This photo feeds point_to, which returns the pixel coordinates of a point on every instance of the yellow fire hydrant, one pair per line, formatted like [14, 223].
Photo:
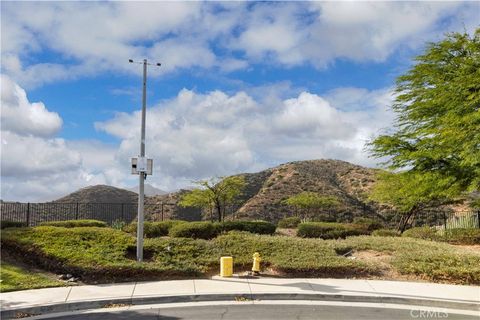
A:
[256, 262]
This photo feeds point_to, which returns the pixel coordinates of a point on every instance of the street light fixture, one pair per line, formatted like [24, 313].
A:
[142, 164]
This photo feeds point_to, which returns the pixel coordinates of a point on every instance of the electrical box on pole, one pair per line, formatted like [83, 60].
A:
[142, 164]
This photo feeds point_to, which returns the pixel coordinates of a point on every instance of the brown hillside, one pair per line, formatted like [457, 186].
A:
[347, 182]
[100, 194]
[267, 189]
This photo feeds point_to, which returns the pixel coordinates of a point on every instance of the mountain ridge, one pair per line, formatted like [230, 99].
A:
[266, 189]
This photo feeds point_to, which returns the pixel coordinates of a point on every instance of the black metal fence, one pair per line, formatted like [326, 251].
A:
[35, 213]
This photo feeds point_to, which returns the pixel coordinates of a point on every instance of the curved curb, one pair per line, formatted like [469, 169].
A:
[102, 303]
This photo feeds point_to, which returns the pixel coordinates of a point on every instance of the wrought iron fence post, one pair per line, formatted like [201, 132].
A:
[478, 219]
[123, 211]
[162, 211]
[445, 221]
[28, 214]
[76, 211]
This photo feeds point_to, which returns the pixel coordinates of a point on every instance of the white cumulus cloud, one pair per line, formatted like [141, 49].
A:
[195, 136]
[38, 166]
[89, 38]
[22, 117]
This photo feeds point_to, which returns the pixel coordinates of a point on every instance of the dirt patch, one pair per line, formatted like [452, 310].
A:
[383, 261]
[287, 232]
[475, 248]
[131, 254]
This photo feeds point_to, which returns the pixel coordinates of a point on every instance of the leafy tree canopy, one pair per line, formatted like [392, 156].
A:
[214, 193]
[436, 137]
[413, 192]
[311, 200]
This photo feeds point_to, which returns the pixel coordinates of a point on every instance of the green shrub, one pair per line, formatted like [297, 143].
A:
[153, 229]
[12, 224]
[462, 236]
[196, 230]
[329, 230]
[323, 217]
[425, 233]
[369, 223]
[118, 224]
[75, 223]
[465, 236]
[385, 233]
[289, 222]
[258, 227]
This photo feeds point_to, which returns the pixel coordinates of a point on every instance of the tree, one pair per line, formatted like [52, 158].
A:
[215, 194]
[411, 193]
[435, 144]
[308, 201]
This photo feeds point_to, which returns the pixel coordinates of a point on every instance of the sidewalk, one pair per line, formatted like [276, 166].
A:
[229, 289]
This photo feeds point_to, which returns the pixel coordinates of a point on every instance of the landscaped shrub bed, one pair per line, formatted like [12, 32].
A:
[324, 217]
[75, 223]
[12, 224]
[86, 252]
[427, 259]
[289, 222]
[368, 223]
[425, 233]
[153, 229]
[462, 236]
[385, 233]
[101, 254]
[330, 230]
[196, 230]
[199, 229]
[454, 236]
[258, 227]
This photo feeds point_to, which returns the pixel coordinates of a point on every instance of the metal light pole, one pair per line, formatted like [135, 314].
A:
[142, 175]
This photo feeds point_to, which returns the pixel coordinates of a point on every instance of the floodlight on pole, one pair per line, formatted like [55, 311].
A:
[141, 163]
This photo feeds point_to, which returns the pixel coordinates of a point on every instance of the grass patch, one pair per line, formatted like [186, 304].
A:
[13, 278]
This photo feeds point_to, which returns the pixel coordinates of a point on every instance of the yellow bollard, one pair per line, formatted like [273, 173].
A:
[226, 266]
[256, 262]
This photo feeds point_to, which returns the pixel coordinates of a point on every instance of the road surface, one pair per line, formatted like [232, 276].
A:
[274, 312]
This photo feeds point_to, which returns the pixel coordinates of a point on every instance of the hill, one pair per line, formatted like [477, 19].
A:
[265, 190]
[149, 190]
[100, 194]
[347, 182]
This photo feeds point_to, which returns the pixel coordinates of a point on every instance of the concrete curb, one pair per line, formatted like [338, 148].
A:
[95, 304]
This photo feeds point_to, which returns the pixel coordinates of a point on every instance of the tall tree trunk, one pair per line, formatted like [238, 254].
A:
[219, 211]
[402, 225]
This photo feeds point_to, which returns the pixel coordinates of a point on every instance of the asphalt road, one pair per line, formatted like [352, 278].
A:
[274, 312]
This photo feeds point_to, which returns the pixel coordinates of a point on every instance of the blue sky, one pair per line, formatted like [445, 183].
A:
[243, 85]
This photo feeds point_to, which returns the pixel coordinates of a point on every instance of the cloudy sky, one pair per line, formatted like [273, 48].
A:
[243, 85]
